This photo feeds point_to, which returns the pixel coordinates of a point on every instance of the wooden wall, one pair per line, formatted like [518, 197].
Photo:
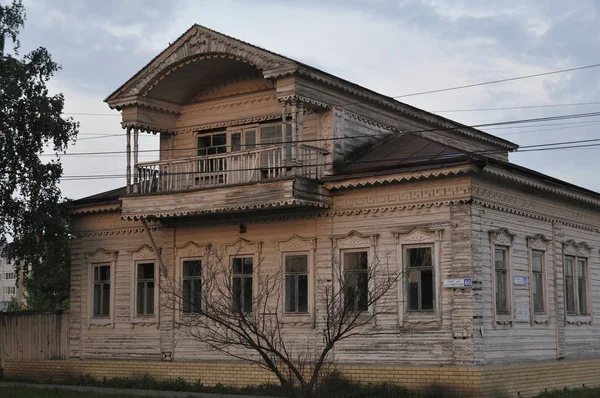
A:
[33, 336]
[544, 337]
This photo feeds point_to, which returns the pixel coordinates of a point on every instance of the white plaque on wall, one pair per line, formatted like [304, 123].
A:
[522, 310]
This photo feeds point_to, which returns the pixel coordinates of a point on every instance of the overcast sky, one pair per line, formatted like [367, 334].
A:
[392, 47]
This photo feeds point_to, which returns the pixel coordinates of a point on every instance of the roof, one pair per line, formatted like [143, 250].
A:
[103, 197]
[280, 65]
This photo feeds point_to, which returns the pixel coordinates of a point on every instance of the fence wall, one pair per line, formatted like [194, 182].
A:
[33, 336]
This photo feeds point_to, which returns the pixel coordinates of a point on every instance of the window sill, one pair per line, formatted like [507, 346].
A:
[143, 320]
[541, 318]
[579, 320]
[297, 319]
[504, 319]
[100, 322]
[421, 320]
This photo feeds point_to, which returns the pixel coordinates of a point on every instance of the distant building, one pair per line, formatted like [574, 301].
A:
[8, 283]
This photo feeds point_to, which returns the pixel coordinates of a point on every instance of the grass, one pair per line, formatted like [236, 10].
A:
[577, 393]
[29, 392]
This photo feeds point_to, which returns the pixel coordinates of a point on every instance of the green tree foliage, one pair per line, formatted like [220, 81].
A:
[32, 211]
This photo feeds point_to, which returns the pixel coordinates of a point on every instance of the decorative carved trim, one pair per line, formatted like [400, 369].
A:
[501, 236]
[201, 108]
[191, 249]
[102, 256]
[418, 234]
[239, 122]
[146, 128]
[144, 252]
[538, 242]
[306, 100]
[581, 249]
[265, 205]
[502, 200]
[394, 178]
[231, 87]
[355, 239]
[115, 232]
[372, 122]
[93, 209]
[296, 243]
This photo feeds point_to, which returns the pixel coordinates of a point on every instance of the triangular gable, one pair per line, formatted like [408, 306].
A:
[198, 41]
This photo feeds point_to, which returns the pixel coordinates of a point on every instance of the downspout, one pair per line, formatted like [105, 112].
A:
[555, 265]
[160, 264]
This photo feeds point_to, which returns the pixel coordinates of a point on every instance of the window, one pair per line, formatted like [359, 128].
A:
[242, 283]
[244, 139]
[501, 274]
[420, 285]
[537, 282]
[9, 276]
[212, 144]
[101, 291]
[296, 283]
[145, 289]
[356, 280]
[12, 290]
[192, 286]
[576, 275]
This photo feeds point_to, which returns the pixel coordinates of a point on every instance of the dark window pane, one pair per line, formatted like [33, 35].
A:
[105, 273]
[197, 295]
[501, 292]
[250, 139]
[237, 265]
[140, 298]
[97, 299]
[296, 263]
[187, 292]
[248, 265]
[105, 299]
[150, 298]
[268, 135]
[569, 266]
[146, 271]
[192, 268]
[426, 289]
[290, 293]
[302, 293]
[570, 294]
[355, 261]
[500, 258]
[363, 292]
[538, 292]
[413, 296]
[204, 141]
[236, 142]
[537, 261]
[582, 296]
[237, 293]
[219, 139]
[419, 257]
[247, 294]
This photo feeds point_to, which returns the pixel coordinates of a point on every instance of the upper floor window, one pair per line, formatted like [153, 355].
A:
[145, 289]
[356, 280]
[576, 279]
[420, 281]
[244, 139]
[101, 290]
[502, 279]
[12, 290]
[296, 283]
[9, 276]
[537, 282]
[242, 283]
[192, 286]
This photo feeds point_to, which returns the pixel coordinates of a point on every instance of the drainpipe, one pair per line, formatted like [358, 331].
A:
[555, 265]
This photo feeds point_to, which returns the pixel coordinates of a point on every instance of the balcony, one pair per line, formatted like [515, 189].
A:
[240, 181]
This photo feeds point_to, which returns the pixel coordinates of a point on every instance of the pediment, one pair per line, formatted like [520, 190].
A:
[101, 256]
[574, 248]
[355, 239]
[211, 50]
[296, 243]
[144, 252]
[502, 236]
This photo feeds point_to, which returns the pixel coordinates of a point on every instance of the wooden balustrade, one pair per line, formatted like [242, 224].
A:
[229, 168]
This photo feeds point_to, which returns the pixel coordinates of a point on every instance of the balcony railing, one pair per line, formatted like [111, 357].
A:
[229, 168]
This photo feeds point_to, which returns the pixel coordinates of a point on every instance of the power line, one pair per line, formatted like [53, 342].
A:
[501, 123]
[517, 107]
[497, 81]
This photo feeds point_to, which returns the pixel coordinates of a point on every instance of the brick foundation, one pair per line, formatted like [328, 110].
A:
[486, 381]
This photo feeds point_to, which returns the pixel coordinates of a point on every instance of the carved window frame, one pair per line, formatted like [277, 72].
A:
[186, 252]
[578, 250]
[244, 248]
[502, 238]
[93, 259]
[412, 237]
[353, 242]
[145, 254]
[538, 243]
[297, 245]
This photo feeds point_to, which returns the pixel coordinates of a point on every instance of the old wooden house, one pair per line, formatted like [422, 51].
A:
[296, 161]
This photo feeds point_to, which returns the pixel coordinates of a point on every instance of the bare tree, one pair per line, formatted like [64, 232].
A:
[236, 307]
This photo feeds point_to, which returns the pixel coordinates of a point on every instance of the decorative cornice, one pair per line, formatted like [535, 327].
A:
[372, 122]
[501, 199]
[112, 232]
[93, 209]
[536, 183]
[226, 209]
[228, 104]
[147, 128]
[306, 100]
[228, 123]
[399, 177]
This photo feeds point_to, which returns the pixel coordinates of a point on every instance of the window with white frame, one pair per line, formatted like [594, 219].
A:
[101, 290]
[242, 283]
[244, 139]
[296, 283]
[9, 276]
[502, 283]
[356, 280]
[11, 290]
[576, 281]
[145, 288]
[420, 278]
[192, 286]
[538, 281]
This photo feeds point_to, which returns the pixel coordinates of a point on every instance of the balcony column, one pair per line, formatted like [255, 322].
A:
[283, 118]
[128, 170]
[300, 153]
[294, 136]
[136, 133]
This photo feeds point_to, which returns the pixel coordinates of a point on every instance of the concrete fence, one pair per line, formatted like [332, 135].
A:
[33, 335]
